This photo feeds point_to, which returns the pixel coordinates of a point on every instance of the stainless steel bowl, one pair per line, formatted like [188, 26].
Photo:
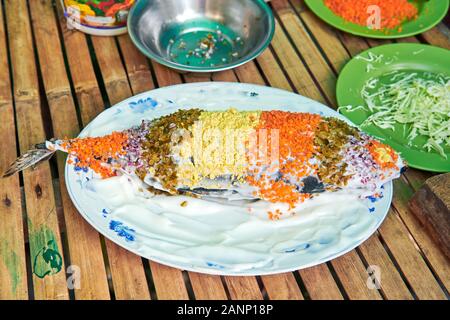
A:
[201, 35]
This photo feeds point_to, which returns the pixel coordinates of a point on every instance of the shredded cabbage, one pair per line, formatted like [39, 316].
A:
[420, 103]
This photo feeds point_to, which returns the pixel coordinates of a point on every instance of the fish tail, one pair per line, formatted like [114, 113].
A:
[42, 152]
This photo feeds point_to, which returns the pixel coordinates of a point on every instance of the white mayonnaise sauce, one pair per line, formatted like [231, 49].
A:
[233, 237]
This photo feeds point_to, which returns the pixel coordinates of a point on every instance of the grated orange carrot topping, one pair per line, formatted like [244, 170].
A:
[296, 148]
[275, 215]
[383, 155]
[95, 153]
[393, 12]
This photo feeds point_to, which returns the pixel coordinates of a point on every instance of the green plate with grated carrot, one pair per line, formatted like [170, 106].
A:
[381, 19]
[400, 93]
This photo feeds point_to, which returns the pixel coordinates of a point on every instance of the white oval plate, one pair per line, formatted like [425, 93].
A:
[136, 233]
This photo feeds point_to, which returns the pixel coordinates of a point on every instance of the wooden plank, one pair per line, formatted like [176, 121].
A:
[207, 287]
[197, 77]
[408, 40]
[329, 41]
[127, 270]
[320, 283]
[291, 63]
[431, 205]
[378, 42]
[392, 285]
[225, 76]
[165, 76]
[243, 288]
[438, 36]
[355, 45]
[137, 66]
[112, 71]
[82, 72]
[248, 73]
[272, 70]
[353, 276]
[83, 240]
[416, 178]
[169, 282]
[439, 263]
[314, 60]
[282, 286]
[299, 6]
[44, 235]
[13, 277]
[127, 273]
[411, 262]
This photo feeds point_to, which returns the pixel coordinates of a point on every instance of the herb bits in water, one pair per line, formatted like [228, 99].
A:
[204, 44]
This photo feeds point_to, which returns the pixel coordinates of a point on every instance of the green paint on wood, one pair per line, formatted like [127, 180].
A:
[12, 263]
[46, 259]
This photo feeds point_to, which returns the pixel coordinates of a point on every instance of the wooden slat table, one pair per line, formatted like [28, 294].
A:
[53, 81]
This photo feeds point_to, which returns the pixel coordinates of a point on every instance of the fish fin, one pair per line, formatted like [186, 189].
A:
[30, 158]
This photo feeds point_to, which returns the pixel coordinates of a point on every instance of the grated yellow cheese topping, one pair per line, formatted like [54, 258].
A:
[216, 146]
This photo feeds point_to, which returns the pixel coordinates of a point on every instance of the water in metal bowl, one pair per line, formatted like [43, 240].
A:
[201, 35]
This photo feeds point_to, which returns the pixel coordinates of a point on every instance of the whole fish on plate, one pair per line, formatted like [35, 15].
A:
[277, 156]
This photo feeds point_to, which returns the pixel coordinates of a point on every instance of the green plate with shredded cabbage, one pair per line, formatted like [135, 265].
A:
[400, 93]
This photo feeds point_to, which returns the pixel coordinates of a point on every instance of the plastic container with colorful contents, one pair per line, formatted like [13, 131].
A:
[98, 17]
